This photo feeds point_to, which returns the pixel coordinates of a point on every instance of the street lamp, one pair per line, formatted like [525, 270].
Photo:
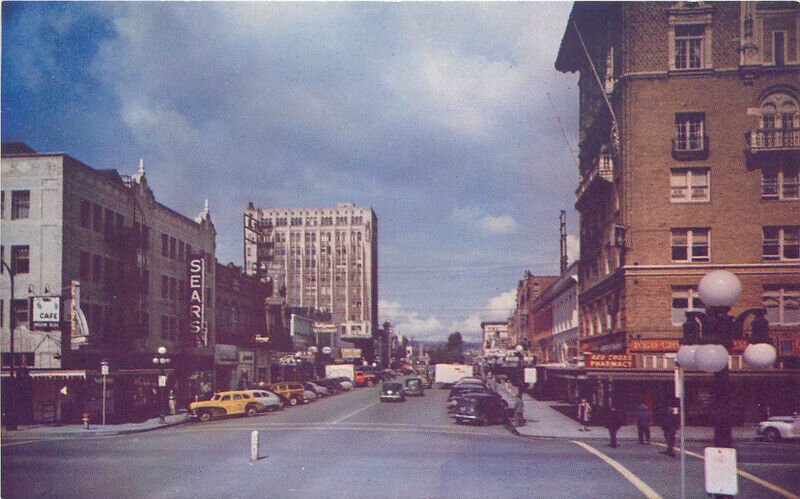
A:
[708, 337]
[161, 360]
[11, 419]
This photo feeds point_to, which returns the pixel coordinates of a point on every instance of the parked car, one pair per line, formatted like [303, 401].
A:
[482, 409]
[452, 400]
[331, 385]
[365, 378]
[293, 391]
[320, 390]
[249, 402]
[413, 386]
[387, 374]
[392, 390]
[309, 396]
[779, 427]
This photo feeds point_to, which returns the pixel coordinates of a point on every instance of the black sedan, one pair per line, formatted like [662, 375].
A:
[392, 390]
[482, 409]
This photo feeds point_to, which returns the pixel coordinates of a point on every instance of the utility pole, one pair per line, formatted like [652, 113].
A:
[11, 420]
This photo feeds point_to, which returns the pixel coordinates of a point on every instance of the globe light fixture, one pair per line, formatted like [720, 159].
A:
[760, 355]
[520, 348]
[687, 356]
[719, 288]
[711, 358]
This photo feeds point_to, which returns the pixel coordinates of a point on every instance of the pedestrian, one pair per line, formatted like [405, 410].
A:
[670, 426]
[643, 423]
[614, 420]
[519, 411]
[584, 414]
[173, 403]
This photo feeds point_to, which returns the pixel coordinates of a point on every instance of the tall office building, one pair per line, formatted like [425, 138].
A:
[322, 258]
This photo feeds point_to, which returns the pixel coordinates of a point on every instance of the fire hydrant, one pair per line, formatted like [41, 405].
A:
[85, 419]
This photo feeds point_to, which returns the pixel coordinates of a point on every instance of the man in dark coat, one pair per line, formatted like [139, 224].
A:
[643, 423]
[614, 420]
[670, 425]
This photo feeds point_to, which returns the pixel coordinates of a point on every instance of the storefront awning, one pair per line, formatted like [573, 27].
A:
[51, 373]
[663, 374]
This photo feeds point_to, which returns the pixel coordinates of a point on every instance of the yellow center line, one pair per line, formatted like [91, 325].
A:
[635, 480]
[771, 486]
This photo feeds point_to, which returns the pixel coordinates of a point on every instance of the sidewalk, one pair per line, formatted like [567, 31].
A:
[95, 429]
[543, 420]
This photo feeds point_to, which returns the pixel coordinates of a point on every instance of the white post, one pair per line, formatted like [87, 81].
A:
[683, 434]
[104, 400]
[254, 445]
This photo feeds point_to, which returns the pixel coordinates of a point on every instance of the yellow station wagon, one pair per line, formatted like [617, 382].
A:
[249, 402]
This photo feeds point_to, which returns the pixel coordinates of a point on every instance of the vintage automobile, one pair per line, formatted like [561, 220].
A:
[779, 427]
[392, 390]
[249, 402]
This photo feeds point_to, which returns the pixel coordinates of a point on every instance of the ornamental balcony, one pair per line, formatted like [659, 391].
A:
[772, 144]
[602, 172]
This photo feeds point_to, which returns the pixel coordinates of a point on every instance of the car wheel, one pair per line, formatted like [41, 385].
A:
[293, 401]
[772, 435]
[206, 416]
[251, 411]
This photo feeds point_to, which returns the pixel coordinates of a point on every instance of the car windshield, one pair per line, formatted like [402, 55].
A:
[580, 218]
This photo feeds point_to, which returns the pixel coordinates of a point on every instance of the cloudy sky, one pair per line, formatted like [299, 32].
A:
[436, 115]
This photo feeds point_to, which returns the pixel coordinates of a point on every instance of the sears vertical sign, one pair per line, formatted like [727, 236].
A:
[197, 301]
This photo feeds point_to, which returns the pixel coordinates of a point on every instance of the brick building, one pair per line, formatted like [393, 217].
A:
[131, 255]
[689, 154]
[522, 323]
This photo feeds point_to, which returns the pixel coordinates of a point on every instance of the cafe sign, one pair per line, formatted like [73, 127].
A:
[610, 361]
[45, 313]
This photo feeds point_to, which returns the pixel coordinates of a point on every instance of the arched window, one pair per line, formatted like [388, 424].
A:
[780, 121]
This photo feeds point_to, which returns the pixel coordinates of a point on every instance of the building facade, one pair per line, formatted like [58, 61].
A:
[67, 225]
[689, 147]
[320, 258]
[522, 327]
[555, 311]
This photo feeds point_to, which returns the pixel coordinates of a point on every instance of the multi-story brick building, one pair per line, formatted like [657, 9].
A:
[68, 222]
[689, 155]
[555, 319]
[522, 326]
[322, 258]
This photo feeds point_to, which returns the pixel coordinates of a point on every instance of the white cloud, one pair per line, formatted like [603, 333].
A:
[477, 220]
[573, 248]
[409, 323]
[498, 308]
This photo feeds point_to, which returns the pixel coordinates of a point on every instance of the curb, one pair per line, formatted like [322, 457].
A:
[600, 436]
[87, 433]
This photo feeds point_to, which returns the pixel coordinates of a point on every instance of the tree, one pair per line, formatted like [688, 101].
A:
[454, 349]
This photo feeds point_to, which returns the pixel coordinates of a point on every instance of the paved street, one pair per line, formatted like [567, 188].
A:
[354, 445]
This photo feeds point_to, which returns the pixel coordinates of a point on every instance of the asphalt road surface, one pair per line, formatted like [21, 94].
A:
[352, 445]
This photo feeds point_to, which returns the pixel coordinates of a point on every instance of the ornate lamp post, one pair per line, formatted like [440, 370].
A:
[161, 360]
[708, 337]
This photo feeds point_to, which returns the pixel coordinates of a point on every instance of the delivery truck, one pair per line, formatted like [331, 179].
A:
[447, 374]
[339, 370]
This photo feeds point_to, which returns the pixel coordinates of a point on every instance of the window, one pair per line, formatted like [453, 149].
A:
[164, 286]
[782, 304]
[689, 46]
[782, 183]
[164, 245]
[172, 246]
[20, 204]
[689, 132]
[86, 214]
[779, 44]
[97, 219]
[2, 259]
[20, 260]
[780, 123]
[173, 285]
[684, 300]
[781, 243]
[689, 185]
[181, 251]
[19, 312]
[109, 223]
[690, 245]
[85, 271]
[97, 266]
[145, 282]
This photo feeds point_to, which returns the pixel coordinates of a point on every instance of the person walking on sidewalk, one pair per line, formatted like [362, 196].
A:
[519, 411]
[173, 403]
[670, 426]
[614, 420]
[584, 414]
[643, 423]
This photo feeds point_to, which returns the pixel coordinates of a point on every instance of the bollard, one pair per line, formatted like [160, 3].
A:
[254, 445]
[85, 419]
